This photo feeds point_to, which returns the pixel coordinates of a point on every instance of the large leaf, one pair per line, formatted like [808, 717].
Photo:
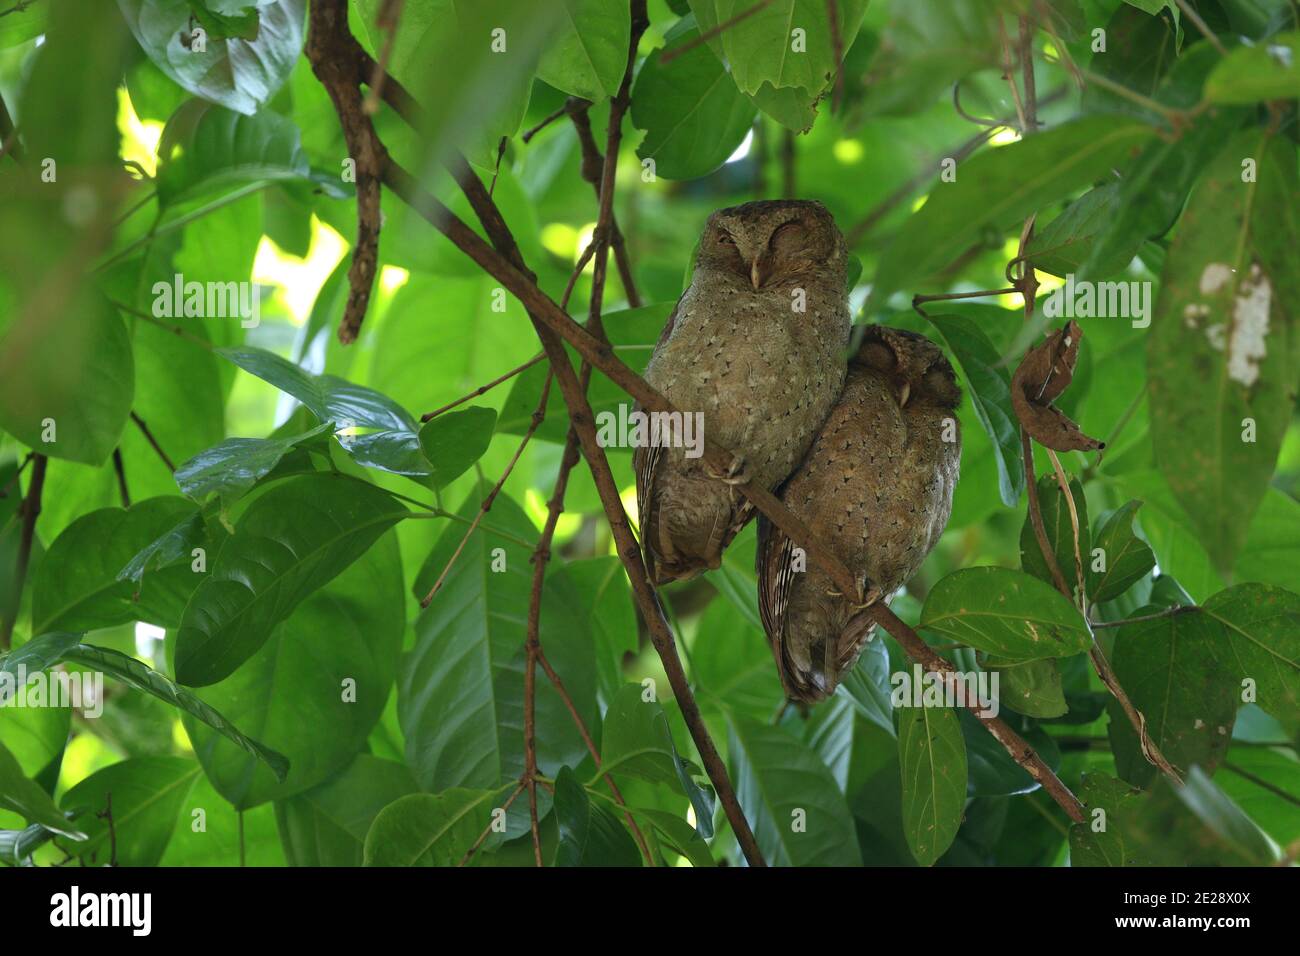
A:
[932, 756]
[797, 812]
[1103, 838]
[237, 73]
[638, 741]
[998, 188]
[1170, 669]
[455, 440]
[693, 115]
[327, 825]
[588, 57]
[290, 542]
[144, 795]
[1268, 71]
[230, 468]
[25, 798]
[460, 690]
[1261, 642]
[761, 48]
[48, 649]
[590, 835]
[1005, 613]
[989, 386]
[316, 688]
[1059, 526]
[426, 829]
[1221, 357]
[77, 586]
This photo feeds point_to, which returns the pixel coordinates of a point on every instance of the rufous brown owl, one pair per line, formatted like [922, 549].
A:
[757, 344]
[876, 490]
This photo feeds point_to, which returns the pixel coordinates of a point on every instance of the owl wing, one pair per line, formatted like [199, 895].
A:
[773, 567]
[644, 462]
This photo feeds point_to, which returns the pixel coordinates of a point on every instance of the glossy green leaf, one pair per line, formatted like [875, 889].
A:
[589, 55]
[230, 468]
[1005, 613]
[290, 542]
[316, 687]
[1261, 643]
[1032, 688]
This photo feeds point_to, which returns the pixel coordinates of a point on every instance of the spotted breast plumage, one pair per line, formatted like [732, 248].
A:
[875, 490]
[757, 345]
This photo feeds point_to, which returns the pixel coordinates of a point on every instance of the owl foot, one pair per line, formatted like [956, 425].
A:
[869, 595]
[736, 474]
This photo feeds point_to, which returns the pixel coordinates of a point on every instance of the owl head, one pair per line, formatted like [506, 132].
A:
[773, 243]
[915, 367]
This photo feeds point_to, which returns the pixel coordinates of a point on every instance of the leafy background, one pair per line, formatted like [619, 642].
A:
[325, 509]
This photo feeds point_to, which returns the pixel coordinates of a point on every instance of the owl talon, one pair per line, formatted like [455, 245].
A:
[736, 474]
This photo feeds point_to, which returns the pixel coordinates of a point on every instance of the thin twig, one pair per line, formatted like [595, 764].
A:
[708, 35]
[519, 788]
[144, 429]
[390, 15]
[120, 469]
[31, 509]
[429, 416]
[1190, 13]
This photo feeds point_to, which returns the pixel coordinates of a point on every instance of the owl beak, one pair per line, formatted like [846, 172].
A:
[756, 273]
[904, 393]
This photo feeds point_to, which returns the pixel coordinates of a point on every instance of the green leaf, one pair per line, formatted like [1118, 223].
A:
[327, 825]
[426, 829]
[932, 756]
[1032, 688]
[590, 835]
[589, 56]
[290, 542]
[1063, 245]
[205, 148]
[867, 686]
[453, 441]
[77, 586]
[391, 442]
[693, 115]
[72, 383]
[341, 647]
[993, 772]
[1102, 840]
[1005, 613]
[989, 386]
[761, 48]
[604, 585]
[677, 833]
[1262, 643]
[1170, 669]
[794, 805]
[239, 74]
[1060, 533]
[1223, 321]
[37, 655]
[23, 797]
[460, 690]
[1197, 824]
[48, 649]
[1249, 74]
[1000, 187]
[1127, 558]
[637, 741]
[145, 794]
[228, 469]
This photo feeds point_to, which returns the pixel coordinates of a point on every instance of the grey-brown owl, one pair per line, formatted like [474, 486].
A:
[757, 344]
[876, 490]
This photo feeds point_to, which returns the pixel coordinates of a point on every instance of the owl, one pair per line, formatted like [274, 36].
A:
[876, 490]
[757, 346]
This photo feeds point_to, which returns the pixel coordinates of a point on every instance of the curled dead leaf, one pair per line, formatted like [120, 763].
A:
[1043, 376]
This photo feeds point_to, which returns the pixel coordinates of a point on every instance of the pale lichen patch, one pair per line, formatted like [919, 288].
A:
[1248, 344]
[1214, 277]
